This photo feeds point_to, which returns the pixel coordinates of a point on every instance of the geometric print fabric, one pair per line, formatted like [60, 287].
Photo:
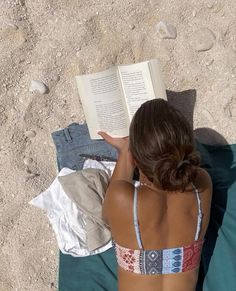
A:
[166, 261]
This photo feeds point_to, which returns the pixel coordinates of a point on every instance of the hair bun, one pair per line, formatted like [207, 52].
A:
[171, 174]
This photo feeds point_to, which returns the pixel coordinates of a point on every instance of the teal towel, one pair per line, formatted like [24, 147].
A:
[218, 269]
[219, 256]
[93, 273]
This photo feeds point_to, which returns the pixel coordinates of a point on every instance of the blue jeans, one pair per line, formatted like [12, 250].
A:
[73, 141]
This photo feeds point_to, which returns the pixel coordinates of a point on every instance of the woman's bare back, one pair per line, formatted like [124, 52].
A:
[166, 220]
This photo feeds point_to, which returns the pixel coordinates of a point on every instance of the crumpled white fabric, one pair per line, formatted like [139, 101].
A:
[67, 220]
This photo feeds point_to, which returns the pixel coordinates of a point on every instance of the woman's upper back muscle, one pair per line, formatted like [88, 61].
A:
[165, 219]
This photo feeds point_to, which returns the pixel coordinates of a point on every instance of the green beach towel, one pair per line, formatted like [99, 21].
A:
[218, 266]
[219, 256]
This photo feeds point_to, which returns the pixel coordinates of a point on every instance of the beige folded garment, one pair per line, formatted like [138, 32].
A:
[87, 188]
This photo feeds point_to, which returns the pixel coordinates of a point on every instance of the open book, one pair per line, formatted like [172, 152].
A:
[110, 98]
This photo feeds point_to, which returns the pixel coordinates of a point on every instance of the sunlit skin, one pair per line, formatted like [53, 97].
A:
[167, 219]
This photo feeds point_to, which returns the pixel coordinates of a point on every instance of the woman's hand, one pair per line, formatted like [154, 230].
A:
[121, 144]
[125, 164]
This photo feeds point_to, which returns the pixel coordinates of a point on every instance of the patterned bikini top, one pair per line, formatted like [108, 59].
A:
[164, 261]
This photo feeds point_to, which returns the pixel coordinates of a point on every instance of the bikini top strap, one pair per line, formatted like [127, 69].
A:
[199, 217]
[135, 217]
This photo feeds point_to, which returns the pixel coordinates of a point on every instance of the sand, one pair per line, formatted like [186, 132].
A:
[52, 41]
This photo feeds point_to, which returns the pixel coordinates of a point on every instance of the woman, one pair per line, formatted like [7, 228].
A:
[158, 228]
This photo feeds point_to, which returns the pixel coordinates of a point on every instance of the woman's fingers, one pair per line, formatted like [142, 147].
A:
[116, 142]
[106, 136]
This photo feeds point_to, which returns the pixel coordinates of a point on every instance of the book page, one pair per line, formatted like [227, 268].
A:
[137, 85]
[157, 81]
[103, 103]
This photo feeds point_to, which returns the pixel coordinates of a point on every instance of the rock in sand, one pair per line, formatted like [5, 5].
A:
[30, 133]
[202, 39]
[38, 86]
[166, 30]
[28, 161]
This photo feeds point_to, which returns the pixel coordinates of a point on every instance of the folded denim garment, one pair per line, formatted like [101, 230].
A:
[87, 188]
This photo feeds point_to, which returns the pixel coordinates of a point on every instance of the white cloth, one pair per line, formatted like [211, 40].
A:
[67, 220]
[87, 189]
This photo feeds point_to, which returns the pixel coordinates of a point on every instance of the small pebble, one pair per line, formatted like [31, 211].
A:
[233, 111]
[28, 161]
[32, 175]
[166, 30]
[202, 39]
[132, 26]
[230, 110]
[57, 78]
[234, 71]
[28, 171]
[194, 13]
[209, 62]
[227, 111]
[30, 133]
[15, 27]
[52, 285]
[38, 86]
[211, 3]
[234, 47]
[53, 44]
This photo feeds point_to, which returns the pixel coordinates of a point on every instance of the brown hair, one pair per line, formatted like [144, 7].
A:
[160, 140]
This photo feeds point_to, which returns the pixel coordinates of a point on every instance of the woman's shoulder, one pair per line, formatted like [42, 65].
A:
[120, 191]
[203, 181]
[119, 196]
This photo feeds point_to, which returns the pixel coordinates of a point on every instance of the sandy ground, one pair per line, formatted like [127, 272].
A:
[52, 41]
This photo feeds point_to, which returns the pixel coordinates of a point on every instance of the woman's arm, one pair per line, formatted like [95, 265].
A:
[117, 194]
[124, 168]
